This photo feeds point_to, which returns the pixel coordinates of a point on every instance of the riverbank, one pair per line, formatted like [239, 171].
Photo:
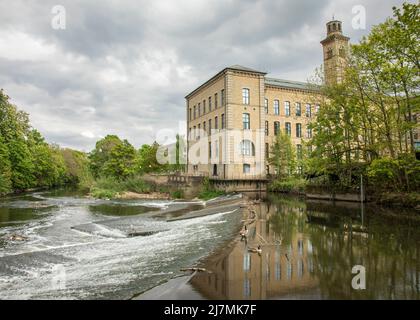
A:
[387, 198]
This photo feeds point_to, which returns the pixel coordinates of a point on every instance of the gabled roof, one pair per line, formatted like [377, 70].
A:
[289, 84]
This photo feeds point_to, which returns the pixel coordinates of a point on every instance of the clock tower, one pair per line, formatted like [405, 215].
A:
[336, 50]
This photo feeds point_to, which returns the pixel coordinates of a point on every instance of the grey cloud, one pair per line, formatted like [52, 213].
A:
[124, 67]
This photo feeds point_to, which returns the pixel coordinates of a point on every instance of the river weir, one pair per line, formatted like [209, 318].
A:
[73, 247]
[79, 248]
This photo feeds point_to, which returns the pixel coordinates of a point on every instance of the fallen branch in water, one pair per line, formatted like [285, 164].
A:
[193, 269]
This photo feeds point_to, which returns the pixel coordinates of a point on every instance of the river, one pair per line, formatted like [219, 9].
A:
[79, 248]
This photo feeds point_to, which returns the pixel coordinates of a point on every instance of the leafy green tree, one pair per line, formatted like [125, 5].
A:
[121, 162]
[5, 168]
[283, 156]
[370, 115]
[22, 165]
[113, 157]
[146, 159]
[77, 168]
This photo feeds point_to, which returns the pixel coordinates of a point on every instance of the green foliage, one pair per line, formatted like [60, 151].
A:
[288, 185]
[112, 157]
[5, 168]
[146, 159]
[367, 122]
[26, 160]
[110, 187]
[77, 168]
[208, 192]
[401, 174]
[177, 194]
[283, 156]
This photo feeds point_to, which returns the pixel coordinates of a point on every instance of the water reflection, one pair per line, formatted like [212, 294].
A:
[309, 249]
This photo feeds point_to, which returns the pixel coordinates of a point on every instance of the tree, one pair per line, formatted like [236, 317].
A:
[146, 159]
[371, 114]
[283, 156]
[112, 157]
[5, 168]
[121, 161]
[77, 167]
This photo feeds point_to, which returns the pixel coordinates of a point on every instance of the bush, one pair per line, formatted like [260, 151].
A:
[288, 185]
[177, 194]
[401, 174]
[137, 184]
[208, 192]
[103, 193]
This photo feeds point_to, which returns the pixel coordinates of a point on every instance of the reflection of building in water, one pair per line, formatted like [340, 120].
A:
[285, 265]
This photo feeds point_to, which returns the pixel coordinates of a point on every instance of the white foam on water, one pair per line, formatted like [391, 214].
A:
[93, 266]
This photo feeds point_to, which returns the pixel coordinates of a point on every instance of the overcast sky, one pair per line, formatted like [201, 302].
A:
[123, 67]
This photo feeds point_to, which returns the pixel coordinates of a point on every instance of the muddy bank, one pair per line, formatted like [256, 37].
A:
[143, 196]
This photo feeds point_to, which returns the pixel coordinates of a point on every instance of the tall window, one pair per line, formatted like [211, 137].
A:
[309, 149]
[287, 108]
[316, 109]
[299, 151]
[204, 126]
[190, 114]
[223, 121]
[222, 93]
[247, 148]
[298, 109]
[309, 133]
[195, 112]
[199, 131]
[246, 168]
[216, 123]
[276, 127]
[266, 106]
[288, 128]
[276, 107]
[209, 126]
[209, 150]
[308, 111]
[298, 130]
[246, 121]
[329, 53]
[245, 96]
[194, 132]
[267, 151]
[210, 103]
[199, 109]
[204, 106]
[266, 128]
[215, 101]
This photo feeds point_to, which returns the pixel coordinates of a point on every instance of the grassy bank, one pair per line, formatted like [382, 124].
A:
[110, 188]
